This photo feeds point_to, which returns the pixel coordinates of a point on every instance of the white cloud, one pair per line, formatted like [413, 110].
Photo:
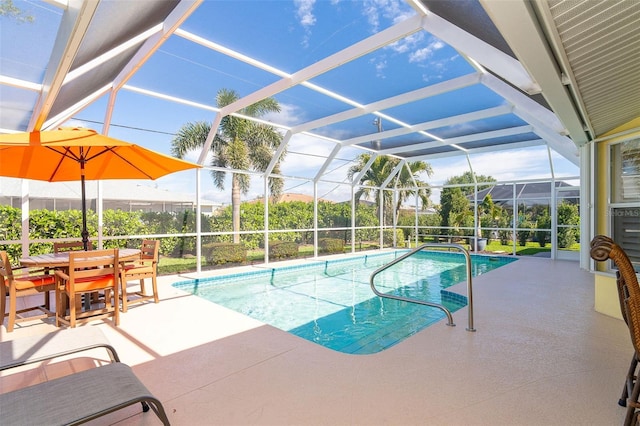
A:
[528, 163]
[371, 12]
[413, 45]
[289, 115]
[380, 66]
[78, 123]
[305, 12]
[407, 44]
[392, 10]
[306, 18]
[427, 52]
[305, 165]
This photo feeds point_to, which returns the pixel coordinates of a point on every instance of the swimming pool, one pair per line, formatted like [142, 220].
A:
[331, 302]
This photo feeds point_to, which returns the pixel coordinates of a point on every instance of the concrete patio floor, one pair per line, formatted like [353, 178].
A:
[541, 355]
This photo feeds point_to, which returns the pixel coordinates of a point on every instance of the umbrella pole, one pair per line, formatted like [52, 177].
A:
[85, 233]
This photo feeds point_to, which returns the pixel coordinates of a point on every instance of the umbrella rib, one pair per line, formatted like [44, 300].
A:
[114, 152]
[65, 153]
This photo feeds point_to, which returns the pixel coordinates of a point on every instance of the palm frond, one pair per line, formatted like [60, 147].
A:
[190, 136]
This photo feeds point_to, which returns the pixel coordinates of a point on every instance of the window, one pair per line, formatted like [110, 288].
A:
[625, 167]
[625, 198]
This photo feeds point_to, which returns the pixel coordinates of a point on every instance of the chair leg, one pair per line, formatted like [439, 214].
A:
[123, 295]
[116, 308]
[629, 381]
[632, 404]
[107, 299]
[3, 300]
[72, 309]
[61, 307]
[154, 284]
[13, 307]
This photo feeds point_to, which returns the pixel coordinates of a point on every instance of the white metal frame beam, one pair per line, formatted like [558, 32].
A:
[177, 16]
[63, 116]
[482, 52]
[461, 139]
[356, 50]
[442, 122]
[404, 98]
[546, 123]
[76, 20]
[485, 149]
[323, 169]
[518, 24]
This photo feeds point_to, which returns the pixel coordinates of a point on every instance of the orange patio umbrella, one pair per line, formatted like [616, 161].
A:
[69, 154]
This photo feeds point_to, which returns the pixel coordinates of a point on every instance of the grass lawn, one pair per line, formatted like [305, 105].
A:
[529, 250]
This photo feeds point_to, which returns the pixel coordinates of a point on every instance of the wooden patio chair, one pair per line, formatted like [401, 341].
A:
[66, 246]
[141, 269]
[20, 282]
[89, 271]
[602, 249]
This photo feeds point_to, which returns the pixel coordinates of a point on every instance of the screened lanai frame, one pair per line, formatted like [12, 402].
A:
[94, 62]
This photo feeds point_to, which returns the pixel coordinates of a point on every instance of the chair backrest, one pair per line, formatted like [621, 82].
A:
[6, 270]
[604, 248]
[149, 250]
[6, 273]
[71, 246]
[93, 264]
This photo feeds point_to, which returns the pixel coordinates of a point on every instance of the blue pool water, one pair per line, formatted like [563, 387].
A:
[331, 302]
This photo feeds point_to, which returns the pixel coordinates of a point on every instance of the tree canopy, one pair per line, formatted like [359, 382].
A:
[239, 144]
[406, 180]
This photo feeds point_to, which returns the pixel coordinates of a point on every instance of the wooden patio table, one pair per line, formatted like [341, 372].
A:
[61, 261]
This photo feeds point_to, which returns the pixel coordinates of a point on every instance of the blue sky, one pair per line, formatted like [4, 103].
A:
[287, 35]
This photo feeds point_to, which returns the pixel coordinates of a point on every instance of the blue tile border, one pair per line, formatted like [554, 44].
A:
[449, 296]
[438, 255]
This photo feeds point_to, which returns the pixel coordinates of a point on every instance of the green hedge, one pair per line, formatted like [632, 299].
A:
[283, 249]
[219, 253]
[331, 245]
[387, 236]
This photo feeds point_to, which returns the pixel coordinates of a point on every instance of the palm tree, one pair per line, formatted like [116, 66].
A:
[405, 183]
[239, 144]
[379, 171]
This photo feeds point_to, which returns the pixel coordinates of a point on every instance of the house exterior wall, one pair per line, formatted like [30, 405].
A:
[606, 293]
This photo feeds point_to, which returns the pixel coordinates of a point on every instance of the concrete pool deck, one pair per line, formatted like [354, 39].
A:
[541, 355]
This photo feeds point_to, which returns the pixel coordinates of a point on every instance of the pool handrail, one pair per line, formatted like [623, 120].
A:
[422, 302]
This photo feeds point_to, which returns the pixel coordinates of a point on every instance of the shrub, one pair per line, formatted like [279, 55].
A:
[568, 214]
[544, 222]
[219, 253]
[283, 249]
[387, 236]
[331, 245]
[524, 234]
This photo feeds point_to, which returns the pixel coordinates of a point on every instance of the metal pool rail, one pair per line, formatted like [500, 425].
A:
[422, 302]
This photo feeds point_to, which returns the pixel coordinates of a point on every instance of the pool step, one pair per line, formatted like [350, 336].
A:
[389, 334]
